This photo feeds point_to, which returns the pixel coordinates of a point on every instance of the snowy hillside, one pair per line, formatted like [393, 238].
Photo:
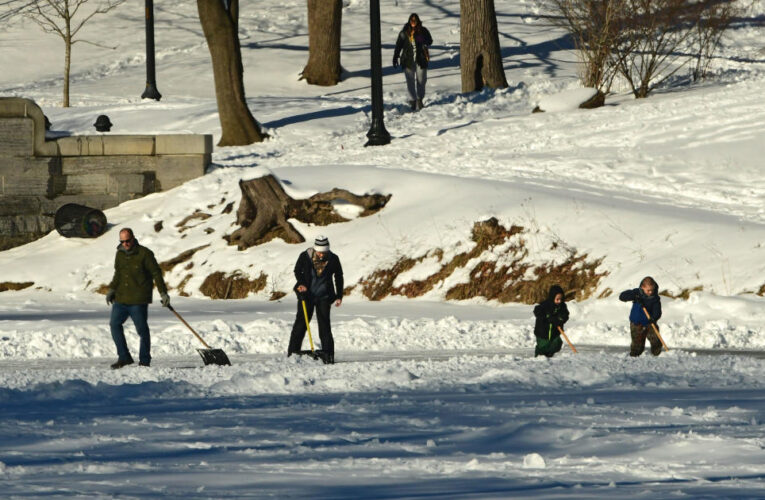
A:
[435, 394]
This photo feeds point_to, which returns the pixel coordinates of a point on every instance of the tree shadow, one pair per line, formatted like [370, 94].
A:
[315, 115]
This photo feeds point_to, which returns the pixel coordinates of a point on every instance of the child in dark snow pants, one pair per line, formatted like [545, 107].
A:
[551, 313]
[646, 296]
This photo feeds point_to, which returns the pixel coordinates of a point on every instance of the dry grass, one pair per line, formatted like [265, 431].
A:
[508, 283]
[276, 295]
[504, 283]
[378, 285]
[236, 285]
[684, 294]
[761, 291]
[198, 214]
[605, 293]
[486, 235]
[10, 285]
[181, 288]
[168, 265]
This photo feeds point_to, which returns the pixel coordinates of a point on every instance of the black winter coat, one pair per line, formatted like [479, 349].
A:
[422, 40]
[550, 315]
[333, 270]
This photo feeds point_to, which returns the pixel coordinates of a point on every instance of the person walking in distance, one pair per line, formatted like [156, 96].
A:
[130, 293]
[412, 46]
[319, 278]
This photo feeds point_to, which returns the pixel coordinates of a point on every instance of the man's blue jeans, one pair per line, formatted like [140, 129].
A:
[139, 314]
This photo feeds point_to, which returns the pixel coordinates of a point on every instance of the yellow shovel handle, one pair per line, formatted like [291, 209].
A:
[656, 330]
[567, 340]
[307, 324]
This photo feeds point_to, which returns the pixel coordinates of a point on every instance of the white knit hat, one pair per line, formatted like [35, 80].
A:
[321, 244]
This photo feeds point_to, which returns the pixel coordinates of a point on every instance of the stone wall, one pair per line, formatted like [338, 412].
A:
[39, 175]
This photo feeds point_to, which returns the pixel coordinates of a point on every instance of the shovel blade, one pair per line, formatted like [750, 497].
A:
[214, 357]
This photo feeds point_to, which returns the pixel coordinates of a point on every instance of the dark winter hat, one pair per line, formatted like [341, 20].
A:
[321, 244]
[555, 290]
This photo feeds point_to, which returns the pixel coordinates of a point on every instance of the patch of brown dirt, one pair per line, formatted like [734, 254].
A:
[10, 285]
[236, 285]
[276, 295]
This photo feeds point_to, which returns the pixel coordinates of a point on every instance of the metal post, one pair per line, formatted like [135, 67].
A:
[377, 134]
[151, 91]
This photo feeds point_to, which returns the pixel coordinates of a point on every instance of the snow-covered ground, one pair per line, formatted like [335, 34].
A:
[430, 398]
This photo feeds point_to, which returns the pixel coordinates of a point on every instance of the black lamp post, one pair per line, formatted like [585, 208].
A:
[151, 91]
[377, 134]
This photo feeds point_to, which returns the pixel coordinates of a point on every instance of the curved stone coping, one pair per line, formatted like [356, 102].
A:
[102, 144]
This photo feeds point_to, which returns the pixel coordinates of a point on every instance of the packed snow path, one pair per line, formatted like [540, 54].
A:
[575, 426]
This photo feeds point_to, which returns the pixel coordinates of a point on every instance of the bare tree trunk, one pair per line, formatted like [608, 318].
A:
[220, 26]
[67, 56]
[480, 53]
[265, 209]
[67, 69]
[324, 23]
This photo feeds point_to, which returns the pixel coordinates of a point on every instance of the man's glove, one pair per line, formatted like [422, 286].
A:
[395, 62]
[110, 297]
[165, 300]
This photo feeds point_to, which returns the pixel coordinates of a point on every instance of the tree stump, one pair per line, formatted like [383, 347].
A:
[265, 209]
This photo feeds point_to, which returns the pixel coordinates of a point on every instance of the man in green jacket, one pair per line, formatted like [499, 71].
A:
[135, 268]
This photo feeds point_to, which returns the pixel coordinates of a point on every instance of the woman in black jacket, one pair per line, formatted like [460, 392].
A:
[412, 45]
[319, 278]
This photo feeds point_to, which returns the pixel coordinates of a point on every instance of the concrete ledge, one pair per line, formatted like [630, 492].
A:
[106, 145]
[84, 165]
[186, 144]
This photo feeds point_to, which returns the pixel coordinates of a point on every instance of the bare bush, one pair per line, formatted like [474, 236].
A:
[711, 26]
[591, 24]
[645, 42]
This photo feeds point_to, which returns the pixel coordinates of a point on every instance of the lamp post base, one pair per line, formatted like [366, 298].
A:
[151, 92]
[378, 135]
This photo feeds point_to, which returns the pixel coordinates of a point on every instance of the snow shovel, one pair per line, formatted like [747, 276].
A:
[563, 334]
[656, 330]
[312, 352]
[210, 356]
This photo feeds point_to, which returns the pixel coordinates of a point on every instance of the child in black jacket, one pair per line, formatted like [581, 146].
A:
[646, 297]
[551, 314]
